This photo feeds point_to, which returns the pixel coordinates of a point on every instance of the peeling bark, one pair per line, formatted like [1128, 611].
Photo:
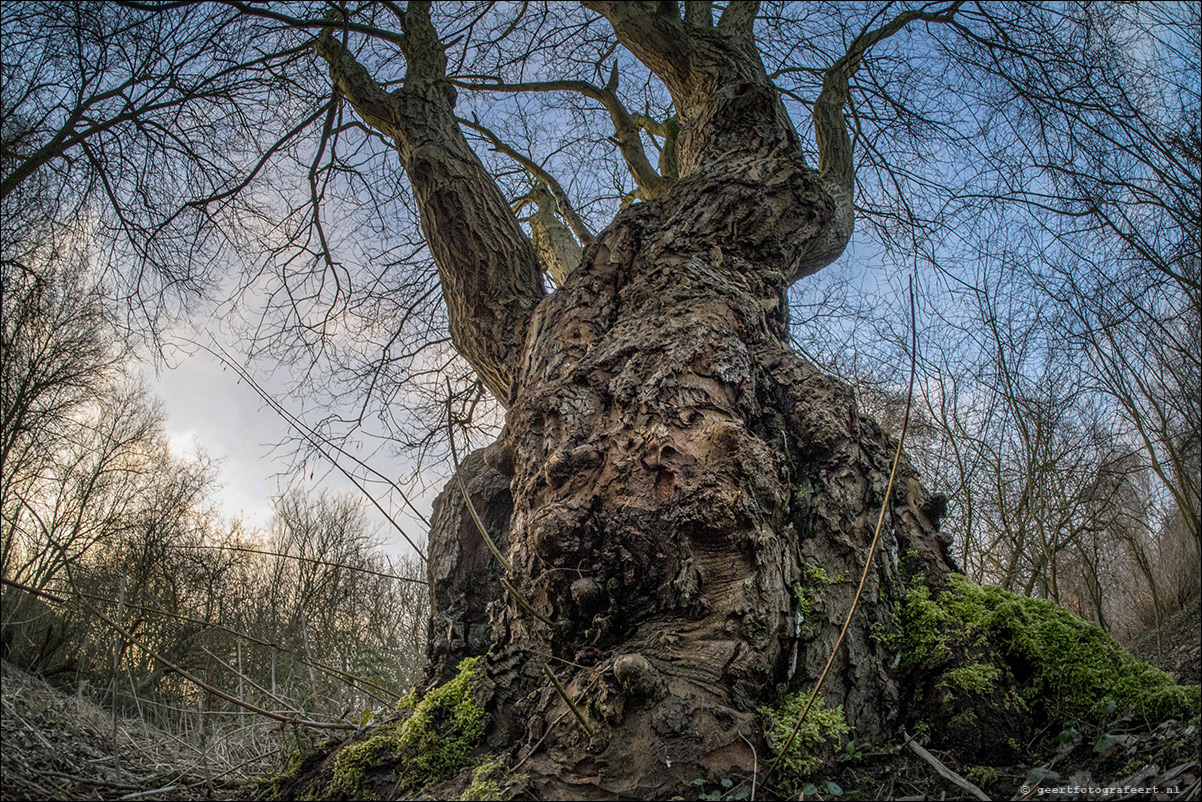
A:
[557, 249]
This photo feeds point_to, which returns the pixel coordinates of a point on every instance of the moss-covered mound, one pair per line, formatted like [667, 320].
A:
[985, 670]
[436, 738]
[433, 744]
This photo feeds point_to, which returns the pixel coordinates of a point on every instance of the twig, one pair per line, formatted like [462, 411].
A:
[316, 441]
[1046, 771]
[155, 792]
[551, 726]
[117, 649]
[471, 508]
[253, 684]
[520, 599]
[309, 665]
[571, 705]
[876, 536]
[312, 560]
[755, 762]
[946, 773]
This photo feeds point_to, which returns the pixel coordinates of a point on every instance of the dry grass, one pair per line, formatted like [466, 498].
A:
[55, 745]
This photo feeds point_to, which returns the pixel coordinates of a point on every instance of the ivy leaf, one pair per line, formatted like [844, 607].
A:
[833, 788]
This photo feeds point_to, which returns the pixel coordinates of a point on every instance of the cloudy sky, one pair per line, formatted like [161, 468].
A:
[211, 409]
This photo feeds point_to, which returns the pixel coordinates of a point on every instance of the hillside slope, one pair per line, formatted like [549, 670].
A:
[55, 745]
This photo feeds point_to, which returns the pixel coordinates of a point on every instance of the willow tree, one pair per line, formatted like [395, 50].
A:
[671, 476]
[678, 508]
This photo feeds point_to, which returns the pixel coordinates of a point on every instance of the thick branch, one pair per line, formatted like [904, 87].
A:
[727, 108]
[830, 131]
[738, 18]
[488, 269]
[373, 103]
[557, 249]
[660, 41]
[423, 51]
[669, 130]
[699, 13]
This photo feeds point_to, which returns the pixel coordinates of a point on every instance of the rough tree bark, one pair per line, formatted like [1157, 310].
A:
[671, 478]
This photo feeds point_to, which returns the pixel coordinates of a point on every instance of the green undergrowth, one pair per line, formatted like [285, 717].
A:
[434, 743]
[1034, 657]
[816, 739]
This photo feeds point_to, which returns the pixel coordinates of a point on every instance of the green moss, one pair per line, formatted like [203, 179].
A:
[294, 764]
[821, 726]
[910, 565]
[981, 775]
[1014, 702]
[292, 769]
[963, 723]
[1062, 666]
[491, 781]
[433, 744]
[974, 678]
[408, 701]
[807, 589]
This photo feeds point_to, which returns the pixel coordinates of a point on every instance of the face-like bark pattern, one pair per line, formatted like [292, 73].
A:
[675, 466]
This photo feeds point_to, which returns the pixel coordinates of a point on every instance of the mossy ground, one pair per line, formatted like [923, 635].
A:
[1002, 689]
[492, 780]
[885, 771]
[986, 669]
[434, 743]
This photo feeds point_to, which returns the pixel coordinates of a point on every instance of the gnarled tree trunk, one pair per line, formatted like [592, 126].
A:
[680, 482]
[692, 504]
[686, 505]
